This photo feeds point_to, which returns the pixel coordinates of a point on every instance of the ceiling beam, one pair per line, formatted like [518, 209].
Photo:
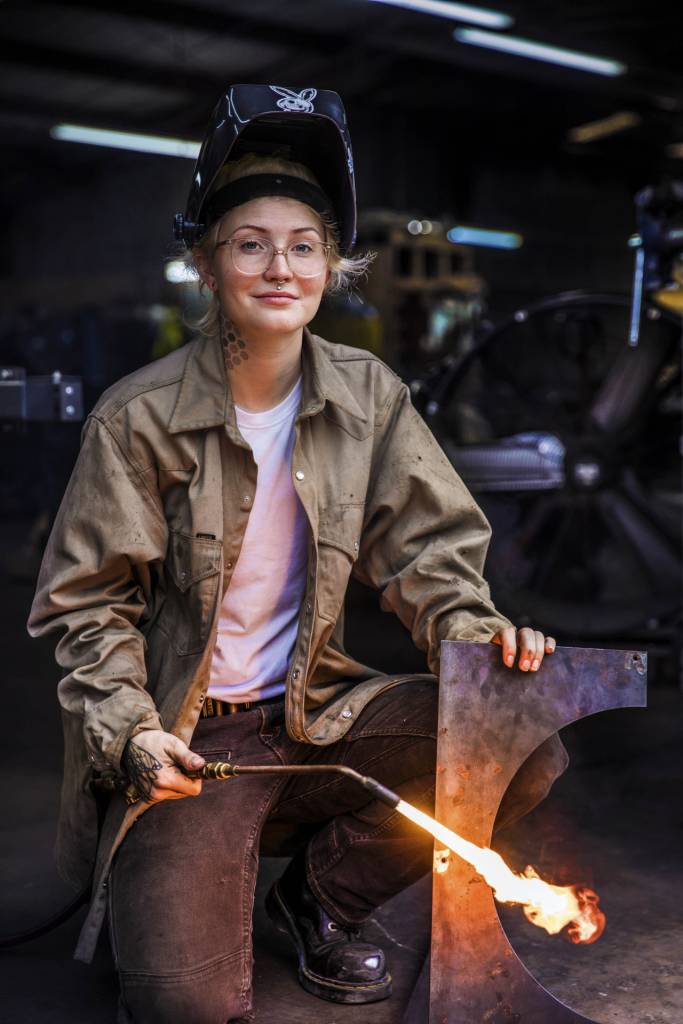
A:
[341, 60]
[209, 19]
[379, 36]
[380, 32]
[92, 65]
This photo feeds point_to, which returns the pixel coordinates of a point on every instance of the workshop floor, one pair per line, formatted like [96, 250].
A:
[615, 820]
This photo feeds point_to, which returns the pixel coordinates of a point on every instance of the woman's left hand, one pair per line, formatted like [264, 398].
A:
[530, 643]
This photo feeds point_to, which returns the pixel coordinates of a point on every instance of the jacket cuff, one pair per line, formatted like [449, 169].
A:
[482, 630]
[105, 740]
[479, 631]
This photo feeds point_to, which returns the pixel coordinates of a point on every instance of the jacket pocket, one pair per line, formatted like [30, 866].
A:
[339, 533]
[192, 571]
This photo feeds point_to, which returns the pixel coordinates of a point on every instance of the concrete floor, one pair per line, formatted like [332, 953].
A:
[615, 821]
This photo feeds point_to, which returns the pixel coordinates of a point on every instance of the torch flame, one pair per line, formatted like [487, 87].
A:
[552, 907]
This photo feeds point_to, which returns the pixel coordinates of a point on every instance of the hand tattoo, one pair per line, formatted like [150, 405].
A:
[141, 768]
[234, 345]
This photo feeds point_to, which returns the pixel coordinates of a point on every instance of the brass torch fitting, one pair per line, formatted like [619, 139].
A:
[211, 770]
[215, 770]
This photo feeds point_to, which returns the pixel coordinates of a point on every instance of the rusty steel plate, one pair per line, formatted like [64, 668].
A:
[490, 719]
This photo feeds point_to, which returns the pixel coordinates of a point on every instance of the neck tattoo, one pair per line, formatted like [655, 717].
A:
[234, 345]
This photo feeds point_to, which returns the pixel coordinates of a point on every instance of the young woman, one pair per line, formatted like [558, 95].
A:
[197, 568]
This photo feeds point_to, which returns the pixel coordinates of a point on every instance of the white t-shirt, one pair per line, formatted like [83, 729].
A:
[260, 611]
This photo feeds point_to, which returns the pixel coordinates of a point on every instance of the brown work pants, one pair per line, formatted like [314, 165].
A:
[182, 887]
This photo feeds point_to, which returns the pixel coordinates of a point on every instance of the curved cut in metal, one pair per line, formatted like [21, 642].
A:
[490, 719]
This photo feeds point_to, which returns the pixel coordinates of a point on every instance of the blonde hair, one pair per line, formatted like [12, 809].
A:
[345, 270]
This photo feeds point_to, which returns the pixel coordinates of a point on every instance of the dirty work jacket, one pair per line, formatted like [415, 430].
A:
[150, 529]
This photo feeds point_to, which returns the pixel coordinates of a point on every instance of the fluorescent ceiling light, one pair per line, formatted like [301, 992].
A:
[177, 272]
[540, 51]
[456, 12]
[126, 140]
[480, 236]
[618, 122]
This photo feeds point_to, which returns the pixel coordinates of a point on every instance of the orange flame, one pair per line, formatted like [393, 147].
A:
[552, 907]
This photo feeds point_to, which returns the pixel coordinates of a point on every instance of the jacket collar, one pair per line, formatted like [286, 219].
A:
[204, 398]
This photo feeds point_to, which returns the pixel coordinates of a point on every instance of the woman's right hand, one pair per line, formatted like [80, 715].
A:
[151, 761]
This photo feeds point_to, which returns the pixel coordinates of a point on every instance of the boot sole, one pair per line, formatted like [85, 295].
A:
[323, 988]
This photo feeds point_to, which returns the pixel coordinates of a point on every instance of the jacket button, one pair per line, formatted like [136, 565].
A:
[347, 713]
[229, 565]
[296, 673]
[246, 499]
[201, 698]
[308, 608]
[299, 474]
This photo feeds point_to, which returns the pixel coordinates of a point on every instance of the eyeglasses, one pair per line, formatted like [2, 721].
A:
[255, 255]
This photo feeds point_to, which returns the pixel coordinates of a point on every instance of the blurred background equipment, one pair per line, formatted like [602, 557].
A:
[30, 399]
[55, 364]
[349, 319]
[659, 250]
[566, 422]
[423, 286]
[570, 441]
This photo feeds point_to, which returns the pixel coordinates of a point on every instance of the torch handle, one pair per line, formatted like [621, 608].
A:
[222, 770]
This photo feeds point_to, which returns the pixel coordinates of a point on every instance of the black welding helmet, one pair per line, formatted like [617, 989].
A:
[307, 127]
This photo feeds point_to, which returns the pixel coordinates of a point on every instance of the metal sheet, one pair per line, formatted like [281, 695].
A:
[490, 719]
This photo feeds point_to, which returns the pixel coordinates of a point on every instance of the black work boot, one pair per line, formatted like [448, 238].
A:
[333, 963]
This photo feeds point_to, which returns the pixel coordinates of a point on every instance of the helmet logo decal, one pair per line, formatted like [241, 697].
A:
[295, 102]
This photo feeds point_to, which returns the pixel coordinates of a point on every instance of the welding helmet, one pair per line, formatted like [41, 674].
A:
[307, 127]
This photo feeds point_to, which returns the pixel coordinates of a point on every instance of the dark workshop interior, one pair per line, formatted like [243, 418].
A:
[526, 209]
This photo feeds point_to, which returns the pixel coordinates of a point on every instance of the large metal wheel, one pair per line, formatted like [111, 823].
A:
[570, 440]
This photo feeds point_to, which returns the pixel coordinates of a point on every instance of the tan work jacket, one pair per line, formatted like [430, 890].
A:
[150, 529]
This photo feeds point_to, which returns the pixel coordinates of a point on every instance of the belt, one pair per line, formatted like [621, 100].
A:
[213, 708]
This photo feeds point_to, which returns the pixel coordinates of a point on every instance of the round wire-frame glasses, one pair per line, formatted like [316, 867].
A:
[254, 255]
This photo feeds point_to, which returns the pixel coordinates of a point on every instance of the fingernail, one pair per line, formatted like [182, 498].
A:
[510, 659]
[534, 667]
[524, 666]
[197, 761]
